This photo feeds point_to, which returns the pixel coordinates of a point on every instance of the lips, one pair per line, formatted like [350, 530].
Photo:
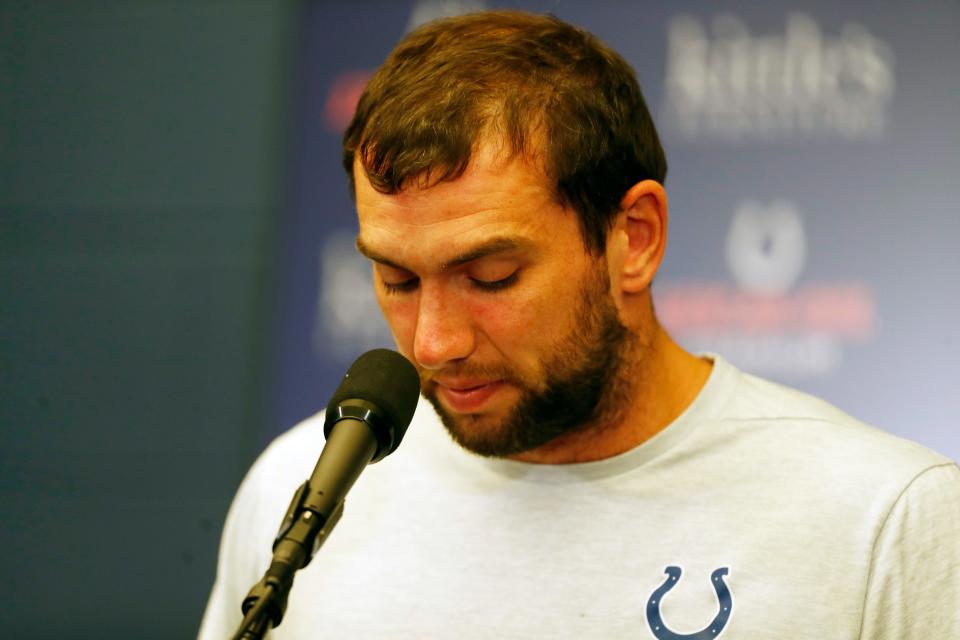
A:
[467, 396]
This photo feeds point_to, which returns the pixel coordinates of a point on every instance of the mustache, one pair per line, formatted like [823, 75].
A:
[469, 370]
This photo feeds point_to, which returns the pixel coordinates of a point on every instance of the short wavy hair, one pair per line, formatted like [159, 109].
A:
[548, 90]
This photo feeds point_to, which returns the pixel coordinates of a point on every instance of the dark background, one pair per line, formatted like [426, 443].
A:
[141, 158]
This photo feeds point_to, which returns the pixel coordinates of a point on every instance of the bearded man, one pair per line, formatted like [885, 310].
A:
[508, 181]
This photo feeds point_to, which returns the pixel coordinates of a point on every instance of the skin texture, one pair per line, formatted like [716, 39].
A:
[487, 286]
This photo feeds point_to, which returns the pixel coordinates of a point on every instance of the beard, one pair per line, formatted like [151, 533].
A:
[584, 383]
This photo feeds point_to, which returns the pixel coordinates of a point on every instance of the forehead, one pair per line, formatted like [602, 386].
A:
[494, 197]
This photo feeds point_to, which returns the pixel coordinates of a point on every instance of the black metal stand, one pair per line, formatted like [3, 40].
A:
[300, 536]
[314, 511]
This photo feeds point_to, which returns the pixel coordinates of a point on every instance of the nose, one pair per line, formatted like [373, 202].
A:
[444, 331]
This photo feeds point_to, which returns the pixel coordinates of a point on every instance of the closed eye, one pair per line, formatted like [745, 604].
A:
[404, 286]
[495, 285]
[396, 279]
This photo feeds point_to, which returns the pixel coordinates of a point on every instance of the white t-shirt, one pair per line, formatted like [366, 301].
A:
[761, 512]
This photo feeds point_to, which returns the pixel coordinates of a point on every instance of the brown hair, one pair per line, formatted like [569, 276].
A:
[549, 90]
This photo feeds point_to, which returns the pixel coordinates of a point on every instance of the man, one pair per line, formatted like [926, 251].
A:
[608, 484]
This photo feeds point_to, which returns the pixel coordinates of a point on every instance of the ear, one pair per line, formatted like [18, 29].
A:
[639, 236]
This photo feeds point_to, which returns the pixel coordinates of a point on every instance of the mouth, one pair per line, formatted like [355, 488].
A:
[468, 396]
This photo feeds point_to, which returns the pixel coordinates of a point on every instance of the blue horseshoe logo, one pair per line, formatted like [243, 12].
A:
[713, 630]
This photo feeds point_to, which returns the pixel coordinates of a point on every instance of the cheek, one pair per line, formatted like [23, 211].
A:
[495, 319]
[517, 324]
[400, 312]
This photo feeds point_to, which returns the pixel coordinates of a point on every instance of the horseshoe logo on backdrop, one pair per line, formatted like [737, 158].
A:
[713, 630]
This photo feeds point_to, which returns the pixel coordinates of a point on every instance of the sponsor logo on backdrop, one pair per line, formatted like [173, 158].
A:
[729, 83]
[766, 247]
[764, 321]
[347, 320]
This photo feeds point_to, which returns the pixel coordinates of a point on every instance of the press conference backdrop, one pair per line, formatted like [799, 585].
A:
[814, 182]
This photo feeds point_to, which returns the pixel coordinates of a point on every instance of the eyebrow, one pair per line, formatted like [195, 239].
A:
[486, 248]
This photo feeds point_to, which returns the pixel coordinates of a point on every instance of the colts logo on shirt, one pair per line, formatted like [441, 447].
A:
[712, 630]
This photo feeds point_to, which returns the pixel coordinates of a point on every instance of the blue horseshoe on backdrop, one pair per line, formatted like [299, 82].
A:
[713, 630]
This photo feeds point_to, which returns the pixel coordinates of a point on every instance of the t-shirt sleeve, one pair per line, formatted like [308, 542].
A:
[913, 592]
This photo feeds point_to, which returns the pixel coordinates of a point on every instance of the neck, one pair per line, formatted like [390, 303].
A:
[663, 380]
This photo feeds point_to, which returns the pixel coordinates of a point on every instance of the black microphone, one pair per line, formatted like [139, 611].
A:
[365, 421]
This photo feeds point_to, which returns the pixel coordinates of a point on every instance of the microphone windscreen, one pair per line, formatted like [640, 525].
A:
[386, 379]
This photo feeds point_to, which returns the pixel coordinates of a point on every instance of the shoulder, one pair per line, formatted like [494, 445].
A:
[779, 426]
[912, 589]
[263, 495]
[290, 457]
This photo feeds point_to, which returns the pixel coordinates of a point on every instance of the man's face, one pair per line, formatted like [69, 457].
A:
[489, 290]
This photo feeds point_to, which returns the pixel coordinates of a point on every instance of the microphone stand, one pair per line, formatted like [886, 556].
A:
[300, 536]
[365, 421]
[306, 525]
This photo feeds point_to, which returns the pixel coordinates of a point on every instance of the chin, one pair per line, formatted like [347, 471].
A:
[480, 433]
